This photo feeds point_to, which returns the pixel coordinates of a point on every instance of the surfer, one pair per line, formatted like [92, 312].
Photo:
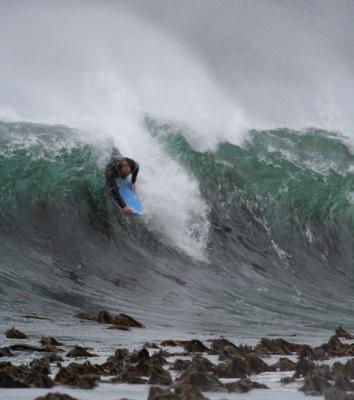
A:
[121, 169]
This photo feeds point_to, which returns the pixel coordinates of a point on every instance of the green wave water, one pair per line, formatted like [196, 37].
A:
[281, 212]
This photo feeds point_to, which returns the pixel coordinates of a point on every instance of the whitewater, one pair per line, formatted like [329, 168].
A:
[245, 143]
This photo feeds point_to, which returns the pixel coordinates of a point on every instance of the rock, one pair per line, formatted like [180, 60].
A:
[79, 351]
[7, 380]
[118, 328]
[342, 333]
[204, 381]
[109, 368]
[243, 386]
[126, 320]
[53, 357]
[15, 334]
[104, 317]
[5, 352]
[159, 358]
[335, 348]
[350, 350]
[49, 341]
[85, 317]
[284, 364]
[169, 343]
[23, 376]
[85, 368]
[342, 382]
[55, 396]
[302, 367]
[150, 345]
[188, 392]
[156, 393]
[139, 355]
[277, 346]
[39, 317]
[325, 371]
[68, 376]
[286, 380]
[335, 394]
[41, 365]
[227, 350]
[130, 374]
[309, 353]
[315, 383]
[39, 380]
[256, 365]
[181, 392]
[27, 347]
[202, 364]
[119, 355]
[159, 376]
[52, 349]
[236, 368]
[194, 346]
[218, 346]
[146, 365]
[180, 365]
[349, 368]
[167, 354]
[15, 370]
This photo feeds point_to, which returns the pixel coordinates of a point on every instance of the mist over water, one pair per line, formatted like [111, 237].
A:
[286, 63]
[239, 114]
[101, 69]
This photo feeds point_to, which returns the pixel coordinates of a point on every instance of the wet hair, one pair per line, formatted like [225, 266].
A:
[120, 162]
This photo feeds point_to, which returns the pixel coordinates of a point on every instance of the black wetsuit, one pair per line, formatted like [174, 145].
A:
[113, 173]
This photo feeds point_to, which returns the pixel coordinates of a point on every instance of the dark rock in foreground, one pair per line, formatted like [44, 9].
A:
[49, 341]
[5, 352]
[244, 385]
[340, 332]
[56, 396]
[7, 380]
[195, 375]
[27, 347]
[277, 346]
[284, 364]
[79, 351]
[236, 368]
[335, 394]
[183, 392]
[15, 334]
[201, 380]
[127, 321]
[75, 375]
[12, 376]
[120, 321]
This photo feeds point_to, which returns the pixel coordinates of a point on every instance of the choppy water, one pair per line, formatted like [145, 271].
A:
[267, 245]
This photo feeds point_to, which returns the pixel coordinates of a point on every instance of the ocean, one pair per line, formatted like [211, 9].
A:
[247, 188]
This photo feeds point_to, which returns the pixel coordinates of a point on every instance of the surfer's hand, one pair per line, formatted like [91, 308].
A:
[127, 210]
[133, 186]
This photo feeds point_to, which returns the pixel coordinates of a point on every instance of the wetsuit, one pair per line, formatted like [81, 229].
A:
[113, 174]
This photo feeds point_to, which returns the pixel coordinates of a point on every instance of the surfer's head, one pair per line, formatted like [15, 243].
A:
[124, 168]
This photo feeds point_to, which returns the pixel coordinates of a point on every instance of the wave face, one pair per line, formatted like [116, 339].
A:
[271, 243]
[247, 227]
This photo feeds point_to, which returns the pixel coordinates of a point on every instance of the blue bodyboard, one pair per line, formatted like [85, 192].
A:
[129, 196]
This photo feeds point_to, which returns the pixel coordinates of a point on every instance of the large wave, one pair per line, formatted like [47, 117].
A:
[242, 227]
[279, 216]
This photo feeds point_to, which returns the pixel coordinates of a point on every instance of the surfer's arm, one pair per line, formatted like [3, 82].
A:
[113, 187]
[135, 171]
[117, 197]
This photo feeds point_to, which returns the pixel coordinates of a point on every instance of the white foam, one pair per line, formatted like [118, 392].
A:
[101, 70]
